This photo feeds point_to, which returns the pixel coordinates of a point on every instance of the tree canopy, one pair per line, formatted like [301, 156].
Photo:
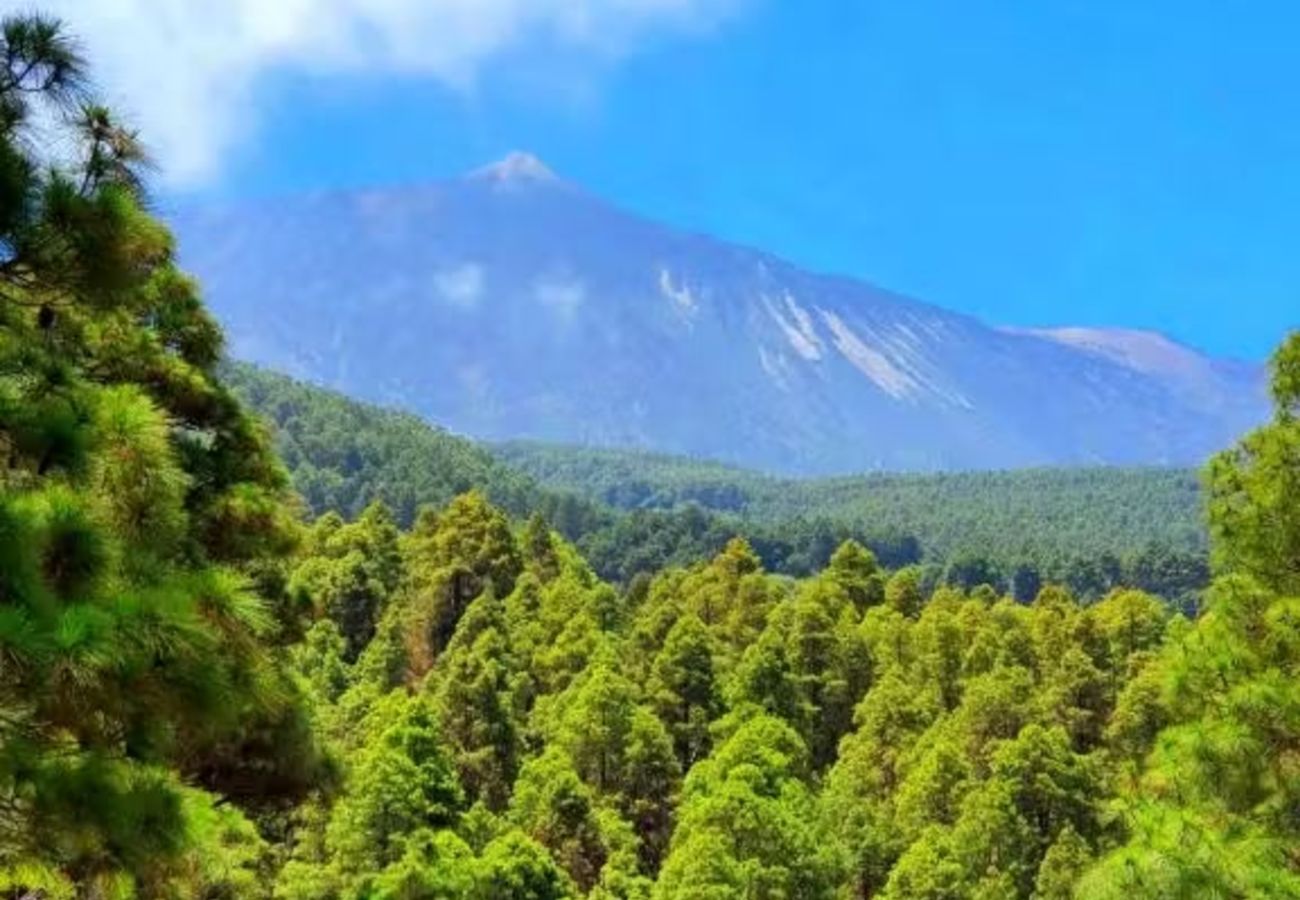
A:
[142, 519]
[211, 688]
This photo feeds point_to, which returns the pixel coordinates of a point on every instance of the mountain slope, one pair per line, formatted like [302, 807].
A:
[343, 455]
[635, 512]
[1089, 511]
[511, 304]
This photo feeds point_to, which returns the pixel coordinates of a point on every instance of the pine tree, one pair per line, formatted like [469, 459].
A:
[142, 515]
[855, 570]
[1214, 812]
[474, 695]
[746, 827]
[683, 688]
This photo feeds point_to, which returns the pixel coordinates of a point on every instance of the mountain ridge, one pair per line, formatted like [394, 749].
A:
[510, 303]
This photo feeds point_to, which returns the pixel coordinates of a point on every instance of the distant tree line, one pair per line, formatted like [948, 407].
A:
[1094, 529]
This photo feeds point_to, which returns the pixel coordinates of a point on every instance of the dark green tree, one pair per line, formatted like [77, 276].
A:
[142, 522]
[683, 688]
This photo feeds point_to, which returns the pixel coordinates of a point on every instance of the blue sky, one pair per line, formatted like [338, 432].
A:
[1051, 162]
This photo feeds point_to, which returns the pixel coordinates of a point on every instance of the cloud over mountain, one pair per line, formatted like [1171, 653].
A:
[187, 71]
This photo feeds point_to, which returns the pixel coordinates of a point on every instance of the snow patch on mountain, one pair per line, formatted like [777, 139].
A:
[1144, 351]
[776, 366]
[682, 299]
[515, 168]
[869, 361]
[798, 329]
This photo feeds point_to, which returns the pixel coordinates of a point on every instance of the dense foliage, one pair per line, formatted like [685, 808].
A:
[1079, 514]
[142, 519]
[633, 513]
[343, 454]
[201, 696]
[515, 727]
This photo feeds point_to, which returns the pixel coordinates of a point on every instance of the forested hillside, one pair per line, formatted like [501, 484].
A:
[718, 731]
[343, 454]
[204, 694]
[633, 513]
[1087, 511]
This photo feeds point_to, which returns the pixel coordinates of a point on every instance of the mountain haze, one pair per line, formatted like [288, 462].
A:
[510, 303]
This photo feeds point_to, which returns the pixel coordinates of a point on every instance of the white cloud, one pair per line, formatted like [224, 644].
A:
[187, 70]
[460, 286]
[560, 294]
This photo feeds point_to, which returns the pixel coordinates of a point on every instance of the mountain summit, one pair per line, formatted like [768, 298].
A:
[542, 312]
[517, 166]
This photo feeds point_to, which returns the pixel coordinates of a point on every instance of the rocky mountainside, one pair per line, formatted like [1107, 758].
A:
[509, 303]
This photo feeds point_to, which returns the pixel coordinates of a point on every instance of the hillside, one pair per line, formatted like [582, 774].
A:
[1094, 510]
[1093, 527]
[511, 304]
[343, 455]
[631, 512]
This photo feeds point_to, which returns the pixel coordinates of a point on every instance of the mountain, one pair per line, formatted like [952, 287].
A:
[510, 303]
